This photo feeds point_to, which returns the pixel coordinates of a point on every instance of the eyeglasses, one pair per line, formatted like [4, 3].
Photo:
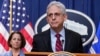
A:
[54, 14]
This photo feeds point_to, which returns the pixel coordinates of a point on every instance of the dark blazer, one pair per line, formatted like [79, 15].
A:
[42, 42]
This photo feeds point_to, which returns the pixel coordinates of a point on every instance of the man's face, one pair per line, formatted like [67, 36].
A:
[55, 17]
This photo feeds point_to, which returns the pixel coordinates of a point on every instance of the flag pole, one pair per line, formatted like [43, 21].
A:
[10, 17]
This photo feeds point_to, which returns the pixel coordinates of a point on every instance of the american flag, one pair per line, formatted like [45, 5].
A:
[95, 48]
[20, 22]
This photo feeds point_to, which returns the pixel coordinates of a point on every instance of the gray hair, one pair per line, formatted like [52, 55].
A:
[58, 4]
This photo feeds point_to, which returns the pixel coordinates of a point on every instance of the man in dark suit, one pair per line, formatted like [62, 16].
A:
[48, 42]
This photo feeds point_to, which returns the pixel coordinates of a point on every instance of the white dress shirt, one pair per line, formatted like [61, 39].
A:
[53, 39]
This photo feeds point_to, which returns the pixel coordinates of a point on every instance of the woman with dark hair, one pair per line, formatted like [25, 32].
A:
[16, 42]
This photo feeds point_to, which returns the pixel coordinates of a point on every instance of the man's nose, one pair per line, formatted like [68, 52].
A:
[53, 17]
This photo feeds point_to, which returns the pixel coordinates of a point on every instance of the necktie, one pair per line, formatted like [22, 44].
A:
[58, 43]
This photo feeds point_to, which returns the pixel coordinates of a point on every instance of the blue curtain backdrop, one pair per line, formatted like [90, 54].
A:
[36, 8]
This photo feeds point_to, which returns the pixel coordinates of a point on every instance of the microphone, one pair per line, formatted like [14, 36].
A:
[62, 42]
[62, 45]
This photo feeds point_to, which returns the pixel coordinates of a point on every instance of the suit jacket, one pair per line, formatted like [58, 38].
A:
[9, 53]
[42, 42]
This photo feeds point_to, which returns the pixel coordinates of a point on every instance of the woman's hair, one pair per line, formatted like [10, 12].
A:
[23, 42]
[58, 4]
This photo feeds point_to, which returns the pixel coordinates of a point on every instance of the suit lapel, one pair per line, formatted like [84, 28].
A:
[67, 42]
[47, 41]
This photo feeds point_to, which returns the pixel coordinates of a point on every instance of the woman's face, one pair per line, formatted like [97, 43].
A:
[16, 41]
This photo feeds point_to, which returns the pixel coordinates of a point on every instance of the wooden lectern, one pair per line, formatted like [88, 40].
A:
[47, 53]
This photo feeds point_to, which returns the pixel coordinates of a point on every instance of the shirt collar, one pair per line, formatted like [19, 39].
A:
[62, 32]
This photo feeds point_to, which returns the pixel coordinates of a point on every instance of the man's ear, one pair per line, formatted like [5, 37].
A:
[46, 19]
[65, 17]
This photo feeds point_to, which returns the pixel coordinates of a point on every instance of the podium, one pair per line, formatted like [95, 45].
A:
[47, 53]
